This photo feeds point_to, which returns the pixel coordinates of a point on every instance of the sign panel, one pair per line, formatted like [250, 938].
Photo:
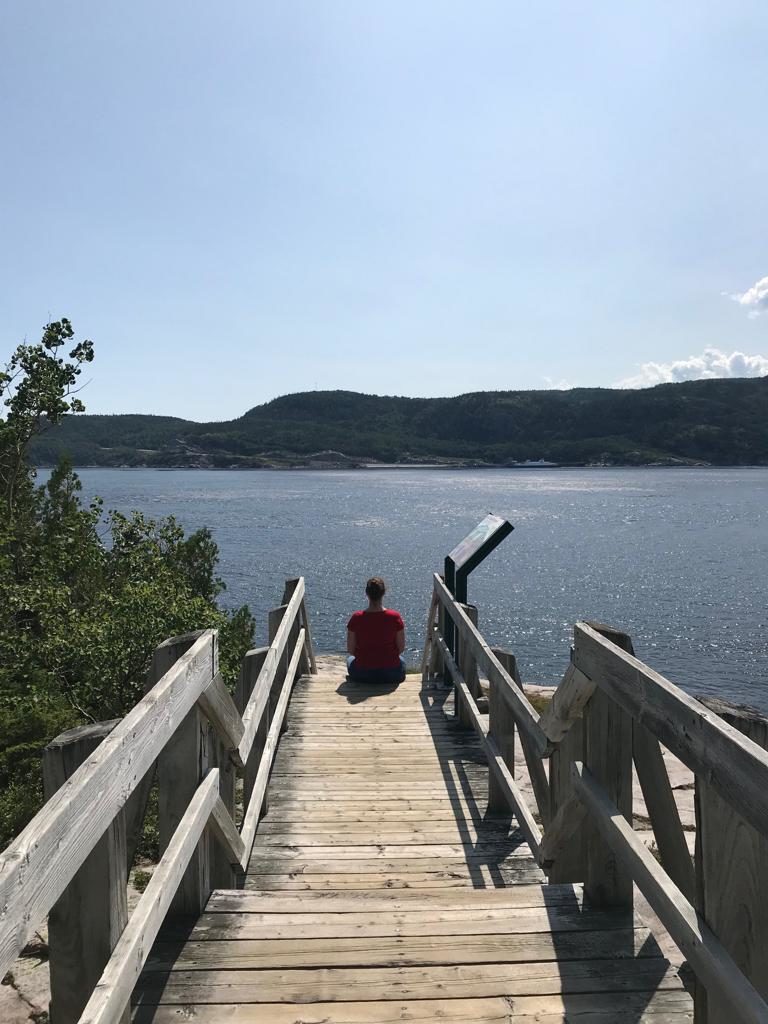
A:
[481, 537]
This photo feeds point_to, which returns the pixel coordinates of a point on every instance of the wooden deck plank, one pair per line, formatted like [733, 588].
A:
[594, 1008]
[321, 924]
[379, 889]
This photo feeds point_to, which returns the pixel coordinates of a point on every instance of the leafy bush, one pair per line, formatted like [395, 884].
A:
[85, 597]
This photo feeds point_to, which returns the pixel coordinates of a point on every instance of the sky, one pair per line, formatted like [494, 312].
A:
[240, 200]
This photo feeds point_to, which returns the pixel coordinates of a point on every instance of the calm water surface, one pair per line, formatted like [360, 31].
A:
[677, 558]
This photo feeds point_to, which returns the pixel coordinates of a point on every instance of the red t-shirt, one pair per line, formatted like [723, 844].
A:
[375, 634]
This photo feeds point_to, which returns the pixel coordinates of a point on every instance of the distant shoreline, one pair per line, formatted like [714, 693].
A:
[410, 466]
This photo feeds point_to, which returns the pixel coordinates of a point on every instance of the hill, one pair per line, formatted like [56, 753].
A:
[723, 422]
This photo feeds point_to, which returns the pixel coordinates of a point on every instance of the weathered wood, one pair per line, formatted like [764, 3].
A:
[88, 918]
[732, 870]
[36, 868]
[253, 811]
[307, 665]
[252, 714]
[329, 924]
[567, 896]
[182, 765]
[275, 620]
[518, 980]
[514, 795]
[250, 670]
[567, 704]
[608, 757]
[225, 830]
[561, 831]
[465, 659]
[113, 991]
[734, 765]
[662, 810]
[221, 711]
[536, 771]
[426, 656]
[526, 717]
[571, 863]
[508, 789]
[687, 927]
[501, 728]
[252, 954]
[642, 1007]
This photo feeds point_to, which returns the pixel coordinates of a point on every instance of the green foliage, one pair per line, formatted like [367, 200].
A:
[85, 597]
[718, 421]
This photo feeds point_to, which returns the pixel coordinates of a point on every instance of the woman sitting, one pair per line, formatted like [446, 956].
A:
[376, 640]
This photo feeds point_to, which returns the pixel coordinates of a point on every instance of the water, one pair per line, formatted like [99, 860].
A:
[677, 558]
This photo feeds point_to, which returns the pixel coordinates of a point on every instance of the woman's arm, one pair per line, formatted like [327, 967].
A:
[399, 641]
[351, 642]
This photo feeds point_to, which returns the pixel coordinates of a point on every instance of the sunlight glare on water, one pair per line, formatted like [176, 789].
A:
[676, 557]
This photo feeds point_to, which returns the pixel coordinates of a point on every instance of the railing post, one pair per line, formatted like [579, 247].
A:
[307, 665]
[249, 673]
[181, 767]
[276, 616]
[89, 917]
[570, 865]
[608, 756]
[468, 668]
[435, 666]
[501, 726]
[732, 875]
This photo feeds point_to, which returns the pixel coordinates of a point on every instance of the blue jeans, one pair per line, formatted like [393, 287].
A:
[377, 676]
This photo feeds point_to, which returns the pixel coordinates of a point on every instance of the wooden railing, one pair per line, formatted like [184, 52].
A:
[188, 733]
[609, 712]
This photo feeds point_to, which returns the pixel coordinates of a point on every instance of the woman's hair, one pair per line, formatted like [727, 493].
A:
[375, 588]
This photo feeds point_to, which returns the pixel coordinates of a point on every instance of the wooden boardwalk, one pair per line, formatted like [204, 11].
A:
[379, 889]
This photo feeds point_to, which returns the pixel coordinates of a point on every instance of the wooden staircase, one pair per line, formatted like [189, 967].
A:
[380, 889]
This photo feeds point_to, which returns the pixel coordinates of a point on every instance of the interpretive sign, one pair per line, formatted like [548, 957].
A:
[468, 554]
[476, 545]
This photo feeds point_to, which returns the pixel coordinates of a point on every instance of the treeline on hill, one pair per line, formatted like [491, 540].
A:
[85, 595]
[716, 421]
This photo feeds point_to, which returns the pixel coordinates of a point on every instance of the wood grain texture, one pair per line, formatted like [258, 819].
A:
[567, 704]
[501, 728]
[526, 717]
[380, 888]
[221, 711]
[254, 710]
[732, 868]
[733, 764]
[704, 952]
[113, 991]
[662, 810]
[88, 918]
[36, 868]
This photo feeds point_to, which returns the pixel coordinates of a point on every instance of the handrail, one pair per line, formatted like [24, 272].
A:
[685, 925]
[123, 968]
[735, 765]
[526, 717]
[258, 699]
[610, 710]
[506, 780]
[39, 865]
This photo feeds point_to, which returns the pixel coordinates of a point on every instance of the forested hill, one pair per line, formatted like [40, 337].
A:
[722, 422]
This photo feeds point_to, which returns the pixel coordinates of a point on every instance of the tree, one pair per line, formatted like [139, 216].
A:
[85, 597]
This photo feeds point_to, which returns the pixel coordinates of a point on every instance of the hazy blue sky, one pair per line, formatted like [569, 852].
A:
[236, 200]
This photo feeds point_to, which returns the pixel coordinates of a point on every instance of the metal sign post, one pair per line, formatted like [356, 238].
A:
[466, 556]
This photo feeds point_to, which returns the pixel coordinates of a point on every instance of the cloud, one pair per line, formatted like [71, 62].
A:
[558, 385]
[711, 363]
[754, 299]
